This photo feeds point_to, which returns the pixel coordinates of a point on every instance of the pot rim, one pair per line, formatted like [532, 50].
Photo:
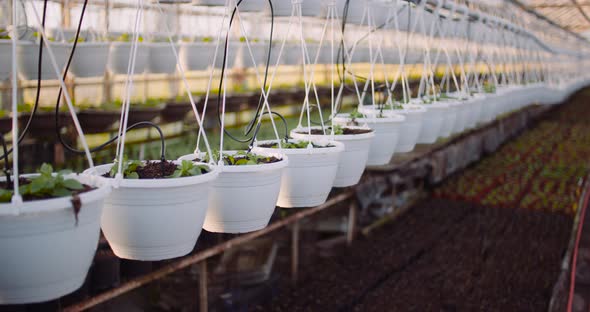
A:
[103, 188]
[283, 162]
[389, 117]
[336, 148]
[341, 137]
[156, 183]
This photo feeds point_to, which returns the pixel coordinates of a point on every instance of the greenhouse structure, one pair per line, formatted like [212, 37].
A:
[294, 155]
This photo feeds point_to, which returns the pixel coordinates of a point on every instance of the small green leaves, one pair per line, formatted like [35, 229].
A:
[189, 169]
[243, 158]
[5, 196]
[129, 168]
[47, 184]
[338, 130]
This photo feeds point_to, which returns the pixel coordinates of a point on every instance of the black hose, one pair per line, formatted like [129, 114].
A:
[259, 107]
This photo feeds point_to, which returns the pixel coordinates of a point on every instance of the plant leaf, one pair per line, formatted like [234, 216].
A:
[61, 192]
[132, 175]
[5, 195]
[73, 184]
[46, 169]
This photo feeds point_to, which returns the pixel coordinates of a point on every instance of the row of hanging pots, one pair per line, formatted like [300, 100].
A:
[158, 58]
[155, 219]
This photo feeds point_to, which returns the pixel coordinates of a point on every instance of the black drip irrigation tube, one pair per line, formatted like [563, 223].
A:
[259, 108]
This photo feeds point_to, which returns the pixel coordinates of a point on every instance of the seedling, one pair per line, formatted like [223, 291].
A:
[48, 184]
[189, 169]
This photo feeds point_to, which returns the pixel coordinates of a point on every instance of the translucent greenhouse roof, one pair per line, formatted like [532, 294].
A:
[573, 15]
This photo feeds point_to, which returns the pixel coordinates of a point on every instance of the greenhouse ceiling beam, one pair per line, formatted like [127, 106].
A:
[544, 18]
[555, 5]
[493, 20]
[581, 10]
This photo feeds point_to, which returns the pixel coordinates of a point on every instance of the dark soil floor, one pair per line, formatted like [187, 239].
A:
[440, 256]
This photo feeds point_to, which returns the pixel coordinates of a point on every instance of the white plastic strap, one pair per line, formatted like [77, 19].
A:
[186, 85]
[16, 197]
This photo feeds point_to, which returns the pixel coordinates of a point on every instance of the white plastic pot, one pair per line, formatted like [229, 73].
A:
[44, 253]
[199, 55]
[245, 6]
[259, 51]
[209, 2]
[387, 132]
[119, 58]
[309, 176]
[196, 55]
[410, 128]
[28, 55]
[156, 219]
[475, 104]
[450, 119]
[161, 58]
[244, 198]
[281, 8]
[312, 7]
[432, 122]
[5, 59]
[90, 59]
[354, 158]
[356, 9]
[291, 55]
[462, 116]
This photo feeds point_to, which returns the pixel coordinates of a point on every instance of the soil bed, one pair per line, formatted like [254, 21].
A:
[441, 256]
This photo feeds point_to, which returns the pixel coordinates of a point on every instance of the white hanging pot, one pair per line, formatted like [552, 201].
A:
[119, 57]
[432, 122]
[488, 108]
[354, 158]
[196, 55]
[356, 9]
[44, 253]
[380, 12]
[281, 8]
[387, 131]
[90, 59]
[450, 119]
[232, 48]
[28, 55]
[309, 176]
[313, 8]
[505, 99]
[245, 6]
[5, 58]
[361, 54]
[410, 128]
[244, 197]
[291, 54]
[474, 111]
[462, 116]
[161, 58]
[253, 5]
[259, 51]
[155, 219]
[210, 2]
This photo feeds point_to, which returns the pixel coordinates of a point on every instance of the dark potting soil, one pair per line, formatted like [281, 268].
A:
[25, 181]
[156, 170]
[345, 131]
[439, 256]
[152, 170]
[276, 145]
[261, 160]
